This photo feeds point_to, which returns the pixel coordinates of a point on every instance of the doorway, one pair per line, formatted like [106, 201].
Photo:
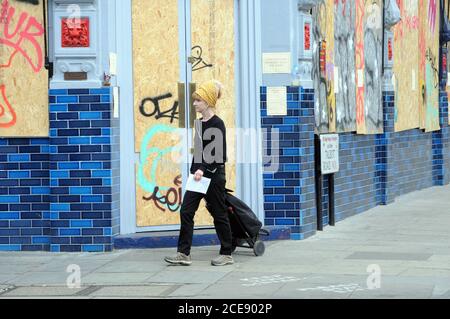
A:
[177, 44]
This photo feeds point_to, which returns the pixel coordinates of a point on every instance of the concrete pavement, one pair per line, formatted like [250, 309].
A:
[396, 251]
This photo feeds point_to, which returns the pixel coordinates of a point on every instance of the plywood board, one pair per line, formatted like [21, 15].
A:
[158, 180]
[344, 42]
[156, 74]
[432, 27]
[156, 68]
[359, 67]
[447, 86]
[373, 66]
[448, 98]
[428, 64]
[445, 10]
[422, 51]
[155, 65]
[23, 78]
[324, 66]
[213, 45]
[406, 67]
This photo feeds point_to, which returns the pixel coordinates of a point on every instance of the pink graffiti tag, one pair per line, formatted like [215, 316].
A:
[20, 38]
[5, 108]
[432, 11]
[23, 33]
[407, 24]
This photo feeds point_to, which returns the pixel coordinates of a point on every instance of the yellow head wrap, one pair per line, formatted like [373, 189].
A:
[208, 92]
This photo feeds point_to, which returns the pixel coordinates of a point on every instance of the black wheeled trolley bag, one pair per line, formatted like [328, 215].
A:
[246, 228]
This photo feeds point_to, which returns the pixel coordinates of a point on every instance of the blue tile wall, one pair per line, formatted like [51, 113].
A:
[441, 151]
[60, 193]
[289, 191]
[356, 181]
[81, 170]
[24, 194]
[385, 179]
[115, 178]
[374, 169]
[325, 200]
[413, 161]
[444, 114]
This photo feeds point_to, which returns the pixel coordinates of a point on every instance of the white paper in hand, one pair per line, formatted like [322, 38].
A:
[198, 187]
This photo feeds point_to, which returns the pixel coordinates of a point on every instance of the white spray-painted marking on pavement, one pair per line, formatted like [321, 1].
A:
[340, 289]
[267, 280]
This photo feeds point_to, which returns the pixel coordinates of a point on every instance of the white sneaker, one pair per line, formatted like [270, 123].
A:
[179, 259]
[222, 260]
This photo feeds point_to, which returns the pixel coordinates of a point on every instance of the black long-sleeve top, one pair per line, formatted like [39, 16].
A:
[214, 156]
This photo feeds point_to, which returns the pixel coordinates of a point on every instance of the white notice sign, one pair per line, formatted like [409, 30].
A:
[113, 63]
[276, 63]
[329, 153]
[276, 101]
[116, 102]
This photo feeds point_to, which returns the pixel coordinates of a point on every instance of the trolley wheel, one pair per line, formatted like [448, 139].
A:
[259, 248]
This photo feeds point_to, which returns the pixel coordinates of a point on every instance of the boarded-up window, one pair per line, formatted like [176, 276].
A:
[23, 77]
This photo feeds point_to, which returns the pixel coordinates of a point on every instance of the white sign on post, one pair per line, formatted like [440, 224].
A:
[329, 153]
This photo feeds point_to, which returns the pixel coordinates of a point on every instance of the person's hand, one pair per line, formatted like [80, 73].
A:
[198, 175]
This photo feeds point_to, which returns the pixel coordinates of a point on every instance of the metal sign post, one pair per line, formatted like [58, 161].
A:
[326, 163]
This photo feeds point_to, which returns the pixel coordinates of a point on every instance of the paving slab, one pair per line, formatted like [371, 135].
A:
[135, 291]
[130, 267]
[40, 278]
[188, 290]
[115, 278]
[176, 274]
[41, 292]
[5, 288]
[5, 278]
[380, 255]
[432, 272]
[392, 289]
[60, 266]
[18, 268]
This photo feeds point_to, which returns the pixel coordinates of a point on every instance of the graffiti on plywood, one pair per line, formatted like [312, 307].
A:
[323, 66]
[344, 41]
[406, 66]
[23, 78]
[373, 68]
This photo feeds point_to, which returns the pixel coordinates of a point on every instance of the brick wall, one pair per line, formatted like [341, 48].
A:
[81, 170]
[374, 169]
[413, 161]
[56, 193]
[115, 167]
[24, 194]
[384, 153]
[441, 145]
[355, 183]
[289, 191]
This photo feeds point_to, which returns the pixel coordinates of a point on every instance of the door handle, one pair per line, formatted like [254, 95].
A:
[192, 113]
[181, 105]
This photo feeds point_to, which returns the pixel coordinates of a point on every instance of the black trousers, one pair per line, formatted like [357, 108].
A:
[215, 197]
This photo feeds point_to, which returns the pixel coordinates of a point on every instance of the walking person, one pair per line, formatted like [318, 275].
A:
[209, 131]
